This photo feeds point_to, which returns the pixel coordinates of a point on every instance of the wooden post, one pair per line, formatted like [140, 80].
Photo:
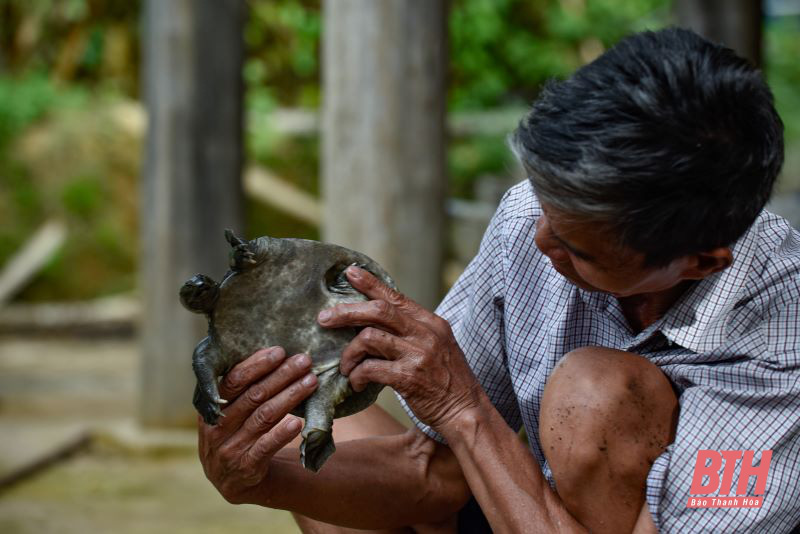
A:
[191, 191]
[383, 136]
[734, 23]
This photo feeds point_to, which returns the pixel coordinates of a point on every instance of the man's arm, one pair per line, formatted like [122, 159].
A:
[385, 481]
[380, 482]
[422, 361]
[504, 477]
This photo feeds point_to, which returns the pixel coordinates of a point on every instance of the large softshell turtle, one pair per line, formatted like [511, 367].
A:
[271, 297]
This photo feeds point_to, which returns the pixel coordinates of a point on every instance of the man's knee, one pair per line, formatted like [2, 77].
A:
[608, 380]
[602, 405]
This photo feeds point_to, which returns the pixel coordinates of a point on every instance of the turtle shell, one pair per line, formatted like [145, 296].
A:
[275, 302]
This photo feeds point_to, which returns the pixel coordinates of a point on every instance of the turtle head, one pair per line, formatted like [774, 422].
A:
[199, 294]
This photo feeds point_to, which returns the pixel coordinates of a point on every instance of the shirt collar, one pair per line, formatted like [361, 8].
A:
[698, 320]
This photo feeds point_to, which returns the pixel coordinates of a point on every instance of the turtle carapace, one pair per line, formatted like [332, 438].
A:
[271, 297]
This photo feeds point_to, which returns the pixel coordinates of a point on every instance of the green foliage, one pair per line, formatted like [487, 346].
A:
[283, 39]
[470, 158]
[503, 50]
[25, 99]
[783, 71]
[94, 42]
[295, 160]
[25, 202]
[21, 207]
[91, 263]
[63, 156]
[261, 138]
[83, 197]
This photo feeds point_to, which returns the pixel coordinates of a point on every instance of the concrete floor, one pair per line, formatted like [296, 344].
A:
[126, 480]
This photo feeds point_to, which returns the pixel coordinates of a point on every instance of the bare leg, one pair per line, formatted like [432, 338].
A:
[374, 421]
[606, 416]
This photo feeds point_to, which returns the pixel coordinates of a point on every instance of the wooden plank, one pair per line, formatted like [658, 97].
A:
[305, 122]
[54, 451]
[265, 186]
[24, 265]
[108, 315]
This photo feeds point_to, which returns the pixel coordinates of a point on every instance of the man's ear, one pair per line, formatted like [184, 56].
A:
[704, 264]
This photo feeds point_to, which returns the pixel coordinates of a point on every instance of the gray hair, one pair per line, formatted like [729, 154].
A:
[671, 141]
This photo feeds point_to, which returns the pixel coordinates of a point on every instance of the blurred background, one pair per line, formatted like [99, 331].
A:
[133, 132]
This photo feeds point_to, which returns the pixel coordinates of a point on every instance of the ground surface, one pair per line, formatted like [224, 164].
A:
[126, 480]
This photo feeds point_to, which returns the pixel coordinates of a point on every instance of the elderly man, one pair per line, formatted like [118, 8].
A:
[630, 305]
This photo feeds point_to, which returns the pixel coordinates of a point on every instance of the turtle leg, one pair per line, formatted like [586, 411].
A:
[242, 254]
[317, 434]
[207, 363]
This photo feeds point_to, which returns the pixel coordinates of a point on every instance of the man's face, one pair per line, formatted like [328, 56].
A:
[589, 257]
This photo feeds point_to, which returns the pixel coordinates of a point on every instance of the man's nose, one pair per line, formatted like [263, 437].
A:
[547, 243]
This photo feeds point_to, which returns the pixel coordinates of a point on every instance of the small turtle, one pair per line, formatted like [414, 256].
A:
[271, 297]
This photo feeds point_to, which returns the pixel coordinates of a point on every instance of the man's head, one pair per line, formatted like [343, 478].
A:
[667, 142]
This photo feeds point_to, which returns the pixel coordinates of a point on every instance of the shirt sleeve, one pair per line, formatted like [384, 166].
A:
[474, 309]
[747, 402]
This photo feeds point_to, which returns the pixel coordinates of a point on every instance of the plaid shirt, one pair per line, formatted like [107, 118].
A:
[730, 346]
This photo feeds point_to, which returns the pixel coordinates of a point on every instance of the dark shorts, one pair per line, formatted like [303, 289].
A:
[471, 519]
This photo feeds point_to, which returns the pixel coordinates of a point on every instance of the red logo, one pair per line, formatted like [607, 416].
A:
[720, 471]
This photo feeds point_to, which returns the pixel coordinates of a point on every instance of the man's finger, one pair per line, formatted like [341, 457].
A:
[260, 392]
[245, 373]
[371, 286]
[372, 342]
[270, 413]
[374, 370]
[372, 313]
[259, 455]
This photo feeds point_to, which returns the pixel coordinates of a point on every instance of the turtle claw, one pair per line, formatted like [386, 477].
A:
[242, 257]
[207, 407]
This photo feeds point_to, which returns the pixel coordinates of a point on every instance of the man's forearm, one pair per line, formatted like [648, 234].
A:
[504, 477]
[386, 481]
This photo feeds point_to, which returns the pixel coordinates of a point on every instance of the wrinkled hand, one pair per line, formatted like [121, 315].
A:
[261, 391]
[406, 347]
